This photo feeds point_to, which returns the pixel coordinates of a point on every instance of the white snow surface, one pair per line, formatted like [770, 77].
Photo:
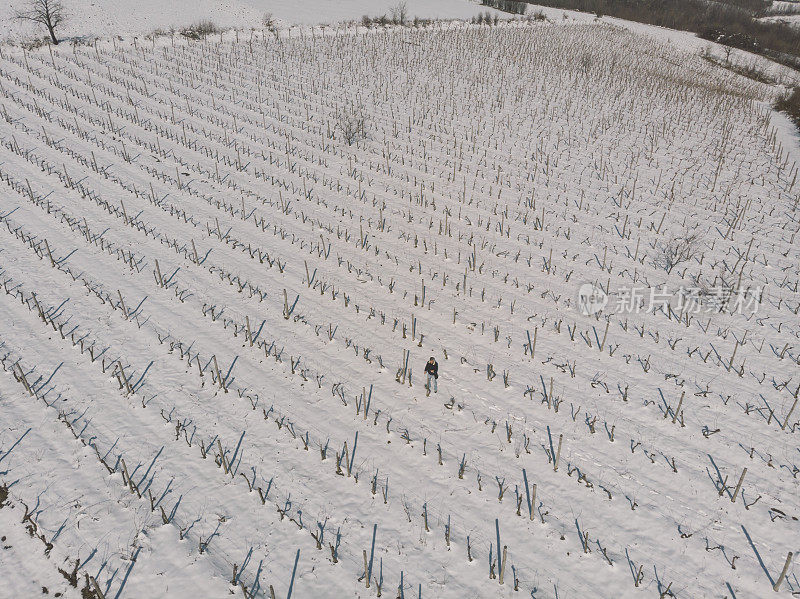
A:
[94, 18]
[203, 284]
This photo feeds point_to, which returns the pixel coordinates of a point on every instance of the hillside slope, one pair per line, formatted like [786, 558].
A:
[224, 264]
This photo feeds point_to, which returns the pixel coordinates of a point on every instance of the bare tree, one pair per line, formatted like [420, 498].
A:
[49, 13]
[727, 49]
[399, 13]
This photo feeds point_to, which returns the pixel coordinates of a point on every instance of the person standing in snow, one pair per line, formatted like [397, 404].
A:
[432, 370]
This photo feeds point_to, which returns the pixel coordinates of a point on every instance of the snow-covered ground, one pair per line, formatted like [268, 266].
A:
[27, 568]
[684, 41]
[125, 17]
[786, 12]
[215, 313]
[791, 19]
[785, 7]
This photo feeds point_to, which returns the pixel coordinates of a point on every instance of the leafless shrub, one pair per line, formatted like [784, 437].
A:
[49, 13]
[379, 21]
[351, 121]
[36, 42]
[677, 250]
[537, 15]
[486, 19]
[200, 29]
[206, 27]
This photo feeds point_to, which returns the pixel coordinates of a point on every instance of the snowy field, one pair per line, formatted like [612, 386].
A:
[224, 263]
[136, 17]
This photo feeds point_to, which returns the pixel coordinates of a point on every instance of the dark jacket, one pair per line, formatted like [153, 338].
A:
[432, 369]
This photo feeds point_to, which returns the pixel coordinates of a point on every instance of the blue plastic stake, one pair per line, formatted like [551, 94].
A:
[527, 492]
[294, 570]
[371, 552]
[353, 455]
[497, 526]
